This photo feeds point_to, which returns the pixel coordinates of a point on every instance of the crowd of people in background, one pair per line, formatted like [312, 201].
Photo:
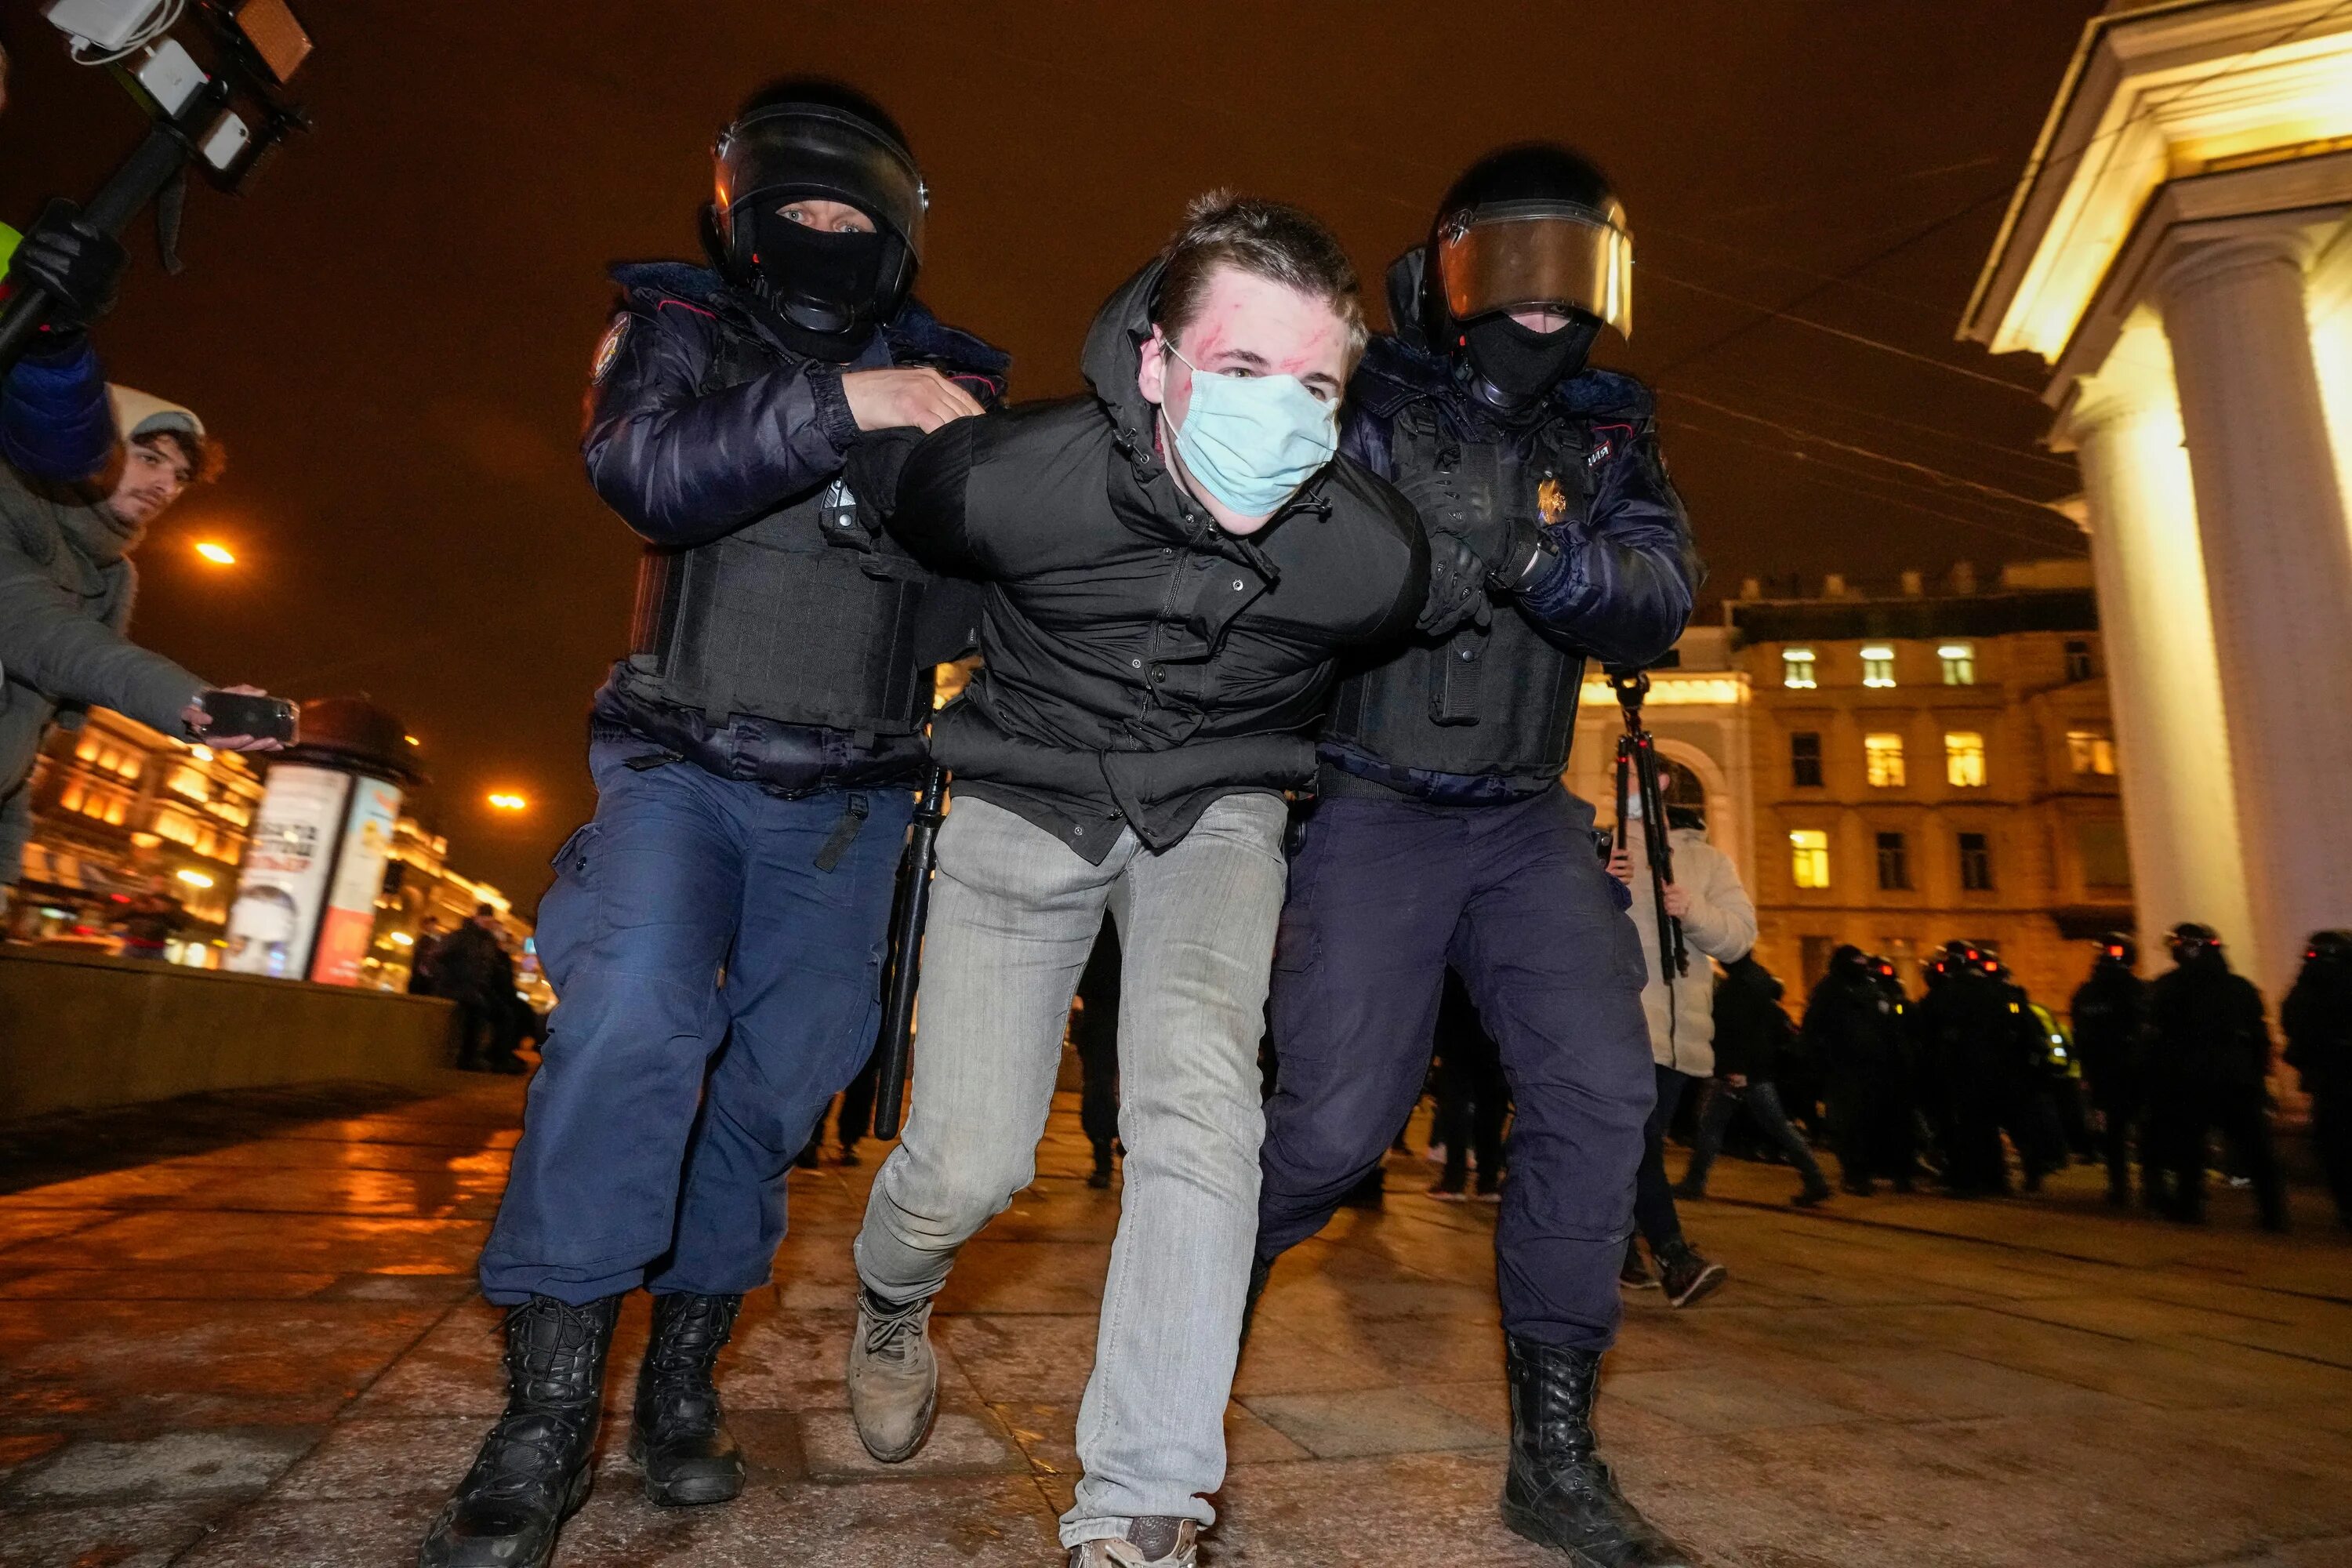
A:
[1969, 1088]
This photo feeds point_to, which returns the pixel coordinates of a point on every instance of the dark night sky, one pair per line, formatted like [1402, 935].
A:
[392, 331]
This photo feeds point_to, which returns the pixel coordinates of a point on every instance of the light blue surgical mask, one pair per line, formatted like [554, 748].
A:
[1251, 440]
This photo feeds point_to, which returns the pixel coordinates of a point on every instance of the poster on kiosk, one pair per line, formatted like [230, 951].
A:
[305, 898]
[348, 926]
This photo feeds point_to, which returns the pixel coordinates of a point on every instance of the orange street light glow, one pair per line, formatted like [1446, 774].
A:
[508, 802]
[217, 553]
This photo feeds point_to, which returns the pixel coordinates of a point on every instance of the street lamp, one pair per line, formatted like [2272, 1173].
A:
[503, 801]
[219, 554]
[195, 878]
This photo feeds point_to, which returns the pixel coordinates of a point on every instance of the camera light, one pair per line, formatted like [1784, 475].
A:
[105, 23]
[276, 36]
[167, 75]
[225, 143]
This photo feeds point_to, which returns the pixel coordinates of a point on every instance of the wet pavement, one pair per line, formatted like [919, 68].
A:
[242, 1331]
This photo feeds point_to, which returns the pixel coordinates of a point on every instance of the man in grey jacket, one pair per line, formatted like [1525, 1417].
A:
[66, 588]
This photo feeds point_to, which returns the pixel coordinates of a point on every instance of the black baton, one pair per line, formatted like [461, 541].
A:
[905, 961]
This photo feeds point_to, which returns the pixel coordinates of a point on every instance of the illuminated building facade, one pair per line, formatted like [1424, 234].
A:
[1929, 765]
[124, 816]
[2178, 254]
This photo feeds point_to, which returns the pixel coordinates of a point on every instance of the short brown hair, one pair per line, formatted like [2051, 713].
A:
[1269, 239]
[207, 459]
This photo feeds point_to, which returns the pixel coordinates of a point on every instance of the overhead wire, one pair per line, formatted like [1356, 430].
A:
[1799, 433]
[1815, 470]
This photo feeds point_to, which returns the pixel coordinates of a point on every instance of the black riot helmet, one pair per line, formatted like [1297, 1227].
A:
[2118, 950]
[807, 137]
[1527, 227]
[2190, 941]
[2328, 947]
[1850, 962]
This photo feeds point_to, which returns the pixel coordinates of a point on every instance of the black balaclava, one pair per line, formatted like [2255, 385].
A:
[816, 284]
[1518, 365]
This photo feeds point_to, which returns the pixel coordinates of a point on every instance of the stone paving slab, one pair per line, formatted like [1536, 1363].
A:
[243, 1331]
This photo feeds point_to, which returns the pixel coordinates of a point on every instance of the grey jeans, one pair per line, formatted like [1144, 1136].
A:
[1014, 915]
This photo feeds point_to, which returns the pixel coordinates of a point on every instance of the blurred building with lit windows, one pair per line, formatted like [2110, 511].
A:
[1931, 763]
[124, 816]
[2178, 254]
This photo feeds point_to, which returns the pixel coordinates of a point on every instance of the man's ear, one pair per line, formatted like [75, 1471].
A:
[1151, 372]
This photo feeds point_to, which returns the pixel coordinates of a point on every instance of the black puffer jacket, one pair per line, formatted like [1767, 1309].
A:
[1140, 661]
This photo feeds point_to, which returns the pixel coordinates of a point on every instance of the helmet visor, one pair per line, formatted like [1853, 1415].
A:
[1519, 256]
[814, 151]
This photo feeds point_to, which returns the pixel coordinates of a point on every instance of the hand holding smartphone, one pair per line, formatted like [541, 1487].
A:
[241, 718]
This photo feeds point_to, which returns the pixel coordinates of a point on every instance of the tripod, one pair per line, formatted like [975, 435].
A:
[1637, 769]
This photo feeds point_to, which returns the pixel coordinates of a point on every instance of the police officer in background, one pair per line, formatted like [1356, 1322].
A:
[2211, 1050]
[1441, 833]
[1857, 1030]
[753, 758]
[2317, 1020]
[2110, 1018]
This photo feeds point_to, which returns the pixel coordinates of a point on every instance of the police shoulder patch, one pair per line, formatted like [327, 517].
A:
[608, 349]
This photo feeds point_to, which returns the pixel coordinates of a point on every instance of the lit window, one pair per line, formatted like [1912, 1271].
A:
[1894, 863]
[1797, 668]
[87, 749]
[1809, 856]
[1959, 663]
[1883, 757]
[1976, 863]
[1805, 759]
[2090, 752]
[69, 798]
[189, 781]
[1877, 665]
[1964, 759]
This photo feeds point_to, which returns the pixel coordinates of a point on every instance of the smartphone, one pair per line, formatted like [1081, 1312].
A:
[263, 718]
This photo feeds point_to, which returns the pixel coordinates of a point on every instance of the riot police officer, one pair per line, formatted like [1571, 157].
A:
[2317, 1018]
[2110, 1018]
[2211, 1069]
[1967, 1035]
[1441, 833]
[753, 756]
[1856, 1028]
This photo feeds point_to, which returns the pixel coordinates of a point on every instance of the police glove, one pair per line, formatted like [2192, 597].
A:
[78, 266]
[1457, 586]
[1530, 553]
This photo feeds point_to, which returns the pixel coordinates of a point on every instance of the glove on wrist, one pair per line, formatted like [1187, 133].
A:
[78, 268]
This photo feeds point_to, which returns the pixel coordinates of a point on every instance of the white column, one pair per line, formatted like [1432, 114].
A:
[2164, 682]
[2278, 567]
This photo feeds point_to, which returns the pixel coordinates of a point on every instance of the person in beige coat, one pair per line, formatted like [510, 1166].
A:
[1718, 923]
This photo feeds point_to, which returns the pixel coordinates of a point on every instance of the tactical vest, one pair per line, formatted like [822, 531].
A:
[803, 616]
[1497, 699]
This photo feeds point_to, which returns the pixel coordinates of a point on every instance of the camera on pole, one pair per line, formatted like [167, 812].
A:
[1637, 780]
[212, 77]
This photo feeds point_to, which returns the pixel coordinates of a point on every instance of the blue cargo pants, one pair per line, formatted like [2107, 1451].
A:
[1383, 895]
[717, 956]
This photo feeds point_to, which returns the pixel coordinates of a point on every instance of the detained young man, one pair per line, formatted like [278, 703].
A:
[1172, 565]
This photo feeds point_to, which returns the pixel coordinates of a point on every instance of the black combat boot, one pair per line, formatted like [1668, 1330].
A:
[535, 1468]
[679, 1436]
[1559, 1493]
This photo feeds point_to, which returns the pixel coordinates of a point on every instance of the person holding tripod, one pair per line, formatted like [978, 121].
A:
[1689, 907]
[1440, 832]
